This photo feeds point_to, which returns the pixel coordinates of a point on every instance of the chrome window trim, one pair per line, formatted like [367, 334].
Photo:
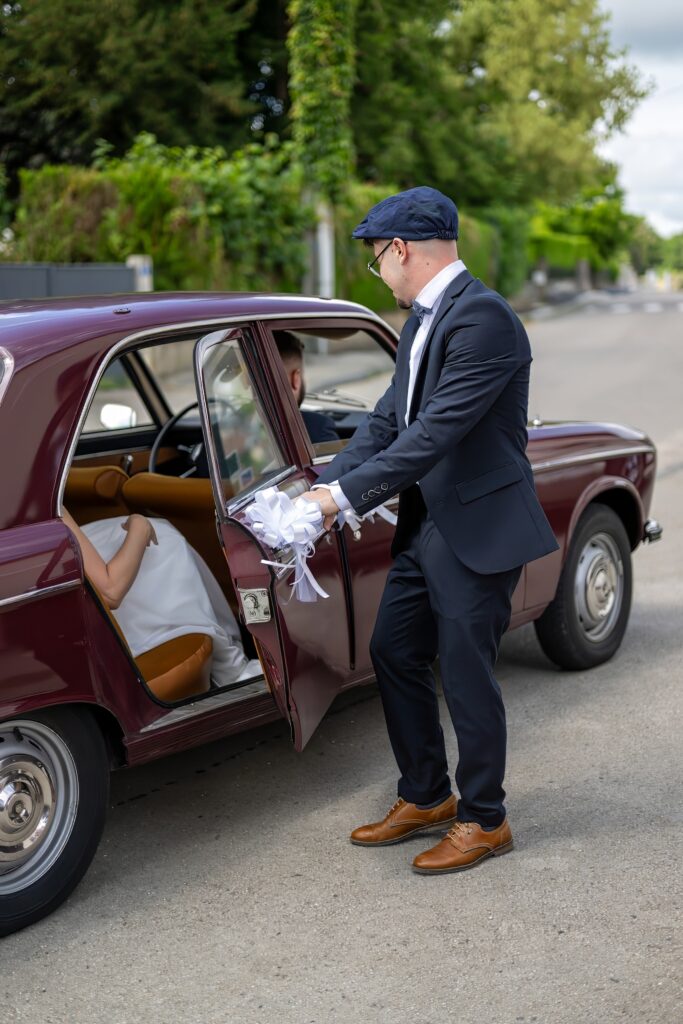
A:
[38, 592]
[7, 360]
[227, 321]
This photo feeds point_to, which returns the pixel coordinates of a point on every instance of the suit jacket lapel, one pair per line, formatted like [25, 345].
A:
[455, 288]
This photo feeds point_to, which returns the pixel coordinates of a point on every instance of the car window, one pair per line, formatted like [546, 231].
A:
[345, 372]
[117, 404]
[247, 454]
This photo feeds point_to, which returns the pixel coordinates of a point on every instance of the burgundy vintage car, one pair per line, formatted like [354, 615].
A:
[178, 406]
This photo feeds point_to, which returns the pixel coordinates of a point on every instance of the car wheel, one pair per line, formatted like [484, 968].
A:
[585, 623]
[54, 787]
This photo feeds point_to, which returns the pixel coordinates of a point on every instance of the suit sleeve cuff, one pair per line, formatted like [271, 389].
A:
[335, 490]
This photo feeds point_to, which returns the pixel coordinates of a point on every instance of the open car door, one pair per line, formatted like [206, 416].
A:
[304, 647]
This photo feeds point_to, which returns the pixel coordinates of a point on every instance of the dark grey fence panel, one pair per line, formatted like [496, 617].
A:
[45, 280]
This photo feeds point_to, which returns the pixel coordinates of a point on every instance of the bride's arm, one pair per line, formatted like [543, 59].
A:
[114, 578]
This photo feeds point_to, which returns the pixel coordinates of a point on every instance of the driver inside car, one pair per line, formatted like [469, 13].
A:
[158, 588]
[320, 427]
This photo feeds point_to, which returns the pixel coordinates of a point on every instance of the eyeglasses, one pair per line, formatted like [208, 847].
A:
[371, 265]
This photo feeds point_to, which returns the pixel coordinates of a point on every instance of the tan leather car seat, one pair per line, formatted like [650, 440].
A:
[95, 492]
[175, 670]
[188, 504]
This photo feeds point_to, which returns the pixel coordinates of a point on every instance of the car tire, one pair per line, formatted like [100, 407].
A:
[585, 623]
[54, 789]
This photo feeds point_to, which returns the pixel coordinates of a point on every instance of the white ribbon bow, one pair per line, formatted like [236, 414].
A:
[281, 522]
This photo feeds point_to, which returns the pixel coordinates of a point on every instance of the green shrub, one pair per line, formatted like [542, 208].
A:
[478, 245]
[561, 251]
[61, 214]
[354, 281]
[207, 221]
[513, 224]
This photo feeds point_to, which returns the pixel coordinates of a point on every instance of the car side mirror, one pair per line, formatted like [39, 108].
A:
[115, 417]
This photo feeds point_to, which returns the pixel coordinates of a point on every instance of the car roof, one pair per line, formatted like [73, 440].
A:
[53, 324]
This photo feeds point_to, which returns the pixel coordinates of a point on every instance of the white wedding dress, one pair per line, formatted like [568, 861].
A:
[174, 593]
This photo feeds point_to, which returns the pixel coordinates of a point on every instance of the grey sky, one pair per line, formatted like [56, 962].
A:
[650, 151]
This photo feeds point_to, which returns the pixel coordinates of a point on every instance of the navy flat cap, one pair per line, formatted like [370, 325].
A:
[412, 215]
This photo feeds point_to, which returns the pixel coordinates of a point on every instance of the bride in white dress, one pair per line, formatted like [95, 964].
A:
[158, 588]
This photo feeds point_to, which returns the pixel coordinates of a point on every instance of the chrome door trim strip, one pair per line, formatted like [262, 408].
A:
[39, 592]
[594, 456]
[130, 339]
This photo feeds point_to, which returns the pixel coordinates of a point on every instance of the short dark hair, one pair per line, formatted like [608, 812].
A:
[288, 345]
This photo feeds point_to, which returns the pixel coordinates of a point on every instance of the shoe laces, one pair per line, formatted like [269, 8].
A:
[459, 828]
[395, 805]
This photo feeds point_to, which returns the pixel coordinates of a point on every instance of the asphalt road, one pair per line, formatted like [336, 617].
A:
[225, 889]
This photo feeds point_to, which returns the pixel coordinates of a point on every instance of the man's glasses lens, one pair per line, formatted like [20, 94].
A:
[371, 265]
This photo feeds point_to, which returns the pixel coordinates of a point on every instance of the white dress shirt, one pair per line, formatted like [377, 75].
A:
[430, 296]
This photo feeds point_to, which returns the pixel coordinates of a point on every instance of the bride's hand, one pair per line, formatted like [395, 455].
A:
[151, 537]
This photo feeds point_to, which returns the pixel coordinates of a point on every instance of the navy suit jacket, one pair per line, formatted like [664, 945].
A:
[465, 443]
[320, 427]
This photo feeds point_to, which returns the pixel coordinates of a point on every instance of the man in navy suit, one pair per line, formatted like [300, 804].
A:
[449, 436]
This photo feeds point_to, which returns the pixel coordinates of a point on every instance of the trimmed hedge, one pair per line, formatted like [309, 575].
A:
[207, 221]
[210, 221]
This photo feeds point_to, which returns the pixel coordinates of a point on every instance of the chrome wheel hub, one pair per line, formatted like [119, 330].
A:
[26, 806]
[599, 587]
[38, 801]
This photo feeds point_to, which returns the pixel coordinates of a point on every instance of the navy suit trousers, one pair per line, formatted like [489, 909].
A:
[433, 605]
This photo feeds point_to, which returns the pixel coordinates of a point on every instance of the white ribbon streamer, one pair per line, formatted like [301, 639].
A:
[281, 522]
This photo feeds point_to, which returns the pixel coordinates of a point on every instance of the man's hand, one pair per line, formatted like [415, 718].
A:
[328, 506]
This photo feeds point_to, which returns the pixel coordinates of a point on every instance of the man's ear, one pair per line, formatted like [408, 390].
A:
[401, 249]
[295, 379]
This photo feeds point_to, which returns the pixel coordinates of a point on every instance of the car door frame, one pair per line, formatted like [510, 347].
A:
[301, 699]
[386, 337]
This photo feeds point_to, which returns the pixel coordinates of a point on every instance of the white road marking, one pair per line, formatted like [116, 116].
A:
[652, 307]
[621, 307]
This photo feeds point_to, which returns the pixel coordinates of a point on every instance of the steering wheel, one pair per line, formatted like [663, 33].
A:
[194, 452]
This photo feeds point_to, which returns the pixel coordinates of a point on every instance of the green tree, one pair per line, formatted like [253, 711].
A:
[71, 73]
[598, 215]
[672, 252]
[490, 100]
[646, 248]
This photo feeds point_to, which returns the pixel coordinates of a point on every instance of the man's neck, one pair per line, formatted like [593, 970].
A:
[429, 272]
[446, 272]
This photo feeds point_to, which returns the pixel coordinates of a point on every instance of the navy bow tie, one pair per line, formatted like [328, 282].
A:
[421, 311]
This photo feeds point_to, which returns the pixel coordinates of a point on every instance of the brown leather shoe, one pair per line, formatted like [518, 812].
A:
[403, 820]
[463, 846]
